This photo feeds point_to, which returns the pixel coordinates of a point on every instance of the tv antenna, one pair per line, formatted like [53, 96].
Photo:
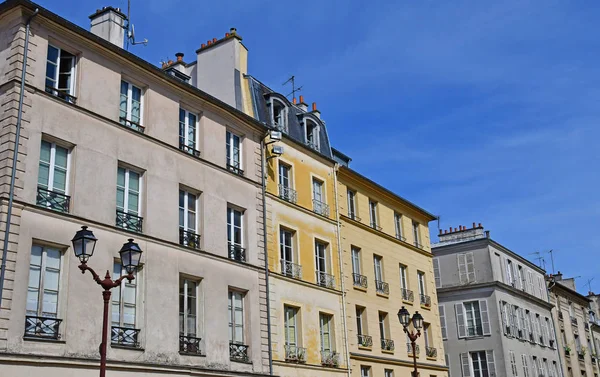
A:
[551, 251]
[589, 284]
[131, 30]
[292, 79]
[540, 259]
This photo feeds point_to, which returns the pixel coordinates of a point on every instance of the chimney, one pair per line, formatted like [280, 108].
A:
[315, 111]
[109, 23]
[303, 105]
[558, 276]
[179, 57]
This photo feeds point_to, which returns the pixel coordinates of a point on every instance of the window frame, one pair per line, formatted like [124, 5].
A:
[186, 211]
[57, 64]
[129, 104]
[323, 258]
[378, 267]
[422, 283]
[52, 166]
[373, 213]
[398, 226]
[287, 179]
[329, 334]
[416, 234]
[186, 332]
[360, 325]
[283, 114]
[351, 198]
[286, 324]
[320, 184]
[121, 289]
[355, 254]
[315, 133]
[232, 309]
[230, 138]
[126, 190]
[41, 284]
[290, 247]
[476, 314]
[186, 128]
[231, 226]
[403, 276]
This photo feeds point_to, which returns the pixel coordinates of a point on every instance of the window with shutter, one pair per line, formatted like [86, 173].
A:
[466, 365]
[534, 366]
[443, 321]
[462, 268]
[490, 363]
[436, 273]
[470, 267]
[513, 364]
[485, 321]
[460, 320]
[525, 366]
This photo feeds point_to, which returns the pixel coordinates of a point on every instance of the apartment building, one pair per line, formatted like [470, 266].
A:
[495, 315]
[115, 143]
[387, 264]
[594, 331]
[576, 331]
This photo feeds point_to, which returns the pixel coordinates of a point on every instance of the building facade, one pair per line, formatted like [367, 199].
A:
[495, 315]
[112, 142]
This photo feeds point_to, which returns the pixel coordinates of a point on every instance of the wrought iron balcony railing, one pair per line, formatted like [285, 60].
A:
[360, 280]
[288, 193]
[125, 336]
[382, 287]
[53, 200]
[325, 280]
[418, 244]
[353, 216]
[365, 340]
[238, 352]
[410, 350]
[235, 166]
[129, 221]
[320, 208]
[131, 124]
[312, 144]
[295, 354]
[330, 358]
[189, 150]
[425, 300]
[237, 253]
[400, 237]
[376, 226]
[189, 239]
[387, 345]
[189, 344]
[62, 94]
[431, 352]
[407, 295]
[42, 327]
[291, 269]
[574, 321]
[561, 315]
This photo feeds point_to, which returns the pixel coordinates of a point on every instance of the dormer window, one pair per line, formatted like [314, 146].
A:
[279, 115]
[178, 74]
[312, 134]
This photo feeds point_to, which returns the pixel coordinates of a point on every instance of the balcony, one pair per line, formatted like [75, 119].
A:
[574, 321]
[561, 317]
[129, 221]
[330, 358]
[288, 194]
[400, 237]
[320, 208]
[360, 280]
[325, 280]
[189, 239]
[312, 144]
[425, 301]
[376, 227]
[189, 150]
[42, 327]
[53, 200]
[382, 287]
[62, 94]
[125, 336]
[353, 216]
[238, 352]
[237, 253]
[291, 269]
[365, 341]
[189, 345]
[131, 124]
[407, 295]
[418, 244]
[235, 167]
[410, 350]
[387, 345]
[295, 354]
[431, 352]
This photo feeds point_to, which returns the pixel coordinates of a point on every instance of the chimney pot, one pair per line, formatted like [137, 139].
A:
[301, 99]
[474, 226]
[203, 45]
[294, 100]
[314, 106]
[445, 231]
[233, 30]
[226, 35]
[170, 62]
[179, 56]
[480, 225]
[208, 43]
[214, 40]
[108, 23]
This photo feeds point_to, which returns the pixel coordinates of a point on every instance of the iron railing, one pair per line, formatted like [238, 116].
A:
[365, 340]
[235, 166]
[410, 350]
[407, 295]
[129, 221]
[295, 354]
[400, 237]
[431, 352]
[360, 280]
[425, 300]
[42, 327]
[189, 150]
[131, 124]
[376, 226]
[189, 239]
[387, 345]
[418, 244]
[237, 253]
[320, 208]
[353, 216]
[325, 280]
[313, 145]
[290, 269]
[62, 94]
[329, 358]
[288, 193]
[125, 336]
[382, 287]
[189, 344]
[238, 352]
[53, 200]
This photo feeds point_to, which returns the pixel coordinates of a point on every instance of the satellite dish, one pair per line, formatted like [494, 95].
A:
[131, 33]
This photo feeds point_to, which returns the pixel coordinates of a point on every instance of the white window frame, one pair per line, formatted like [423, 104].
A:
[351, 196]
[360, 311]
[525, 362]
[466, 267]
[319, 185]
[403, 277]
[356, 265]
[329, 333]
[231, 211]
[284, 114]
[129, 105]
[416, 234]
[474, 313]
[422, 283]
[365, 371]
[41, 287]
[378, 267]
[186, 128]
[373, 213]
[444, 328]
[290, 322]
[285, 180]
[124, 285]
[56, 77]
[232, 308]
[126, 190]
[388, 373]
[398, 226]
[316, 132]
[513, 364]
[229, 145]
[284, 248]
[382, 317]
[186, 331]
[52, 166]
[318, 257]
[186, 210]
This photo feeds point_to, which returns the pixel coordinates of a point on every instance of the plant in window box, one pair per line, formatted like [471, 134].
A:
[567, 350]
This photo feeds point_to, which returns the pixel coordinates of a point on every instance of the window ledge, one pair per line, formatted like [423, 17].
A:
[407, 302]
[241, 362]
[426, 307]
[431, 358]
[365, 348]
[383, 295]
[360, 288]
[44, 340]
[192, 354]
[388, 352]
[139, 349]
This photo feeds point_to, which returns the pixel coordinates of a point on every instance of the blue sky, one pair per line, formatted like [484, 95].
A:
[476, 111]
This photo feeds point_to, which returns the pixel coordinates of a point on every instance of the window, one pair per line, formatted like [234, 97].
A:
[555, 369]
[525, 366]
[352, 213]
[130, 114]
[356, 268]
[60, 73]
[290, 325]
[403, 279]
[378, 267]
[383, 326]
[323, 278]
[285, 178]
[519, 277]
[365, 371]
[129, 199]
[388, 373]
[236, 317]
[279, 115]
[188, 224]
[544, 367]
[513, 364]
[188, 128]
[188, 307]
[124, 307]
[235, 234]
[480, 363]
[436, 273]
[312, 134]
[286, 250]
[416, 235]
[398, 226]
[319, 205]
[472, 318]
[427, 334]
[234, 153]
[442, 310]
[421, 278]
[534, 365]
[360, 320]
[509, 272]
[373, 214]
[44, 281]
[466, 267]
[325, 324]
[53, 177]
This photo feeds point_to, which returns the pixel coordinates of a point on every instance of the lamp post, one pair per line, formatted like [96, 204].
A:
[84, 244]
[417, 321]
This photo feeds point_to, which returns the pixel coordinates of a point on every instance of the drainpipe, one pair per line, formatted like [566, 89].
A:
[11, 192]
[551, 284]
[264, 216]
[339, 242]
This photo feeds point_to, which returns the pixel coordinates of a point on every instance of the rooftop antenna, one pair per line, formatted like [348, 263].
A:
[551, 258]
[540, 259]
[131, 30]
[589, 284]
[292, 79]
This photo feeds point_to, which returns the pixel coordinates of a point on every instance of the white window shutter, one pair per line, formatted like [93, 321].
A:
[485, 320]
[525, 366]
[503, 315]
[470, 267]
[443, 321]
[516, 280]
[460, 320]
[466, 365]
[462, 268]
[436, 273]
[491, 364]
[506, 275]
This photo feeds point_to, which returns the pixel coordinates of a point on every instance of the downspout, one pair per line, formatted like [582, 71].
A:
[11, 192]
[339, 242]
[264, 215]
[548, 288]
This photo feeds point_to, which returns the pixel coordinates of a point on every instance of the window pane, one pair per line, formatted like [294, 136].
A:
[120, 198]
[50, 302]
[115, 314]
[51, 279]
[60, 180]
[134, 181]
[34, 277]
[52, 53]
[128, 315]
[44, 175]
[45, 149]
[239, 334]
[133, 202]
[36, 255]
[32, 301]
[129, 294]
[51, 72]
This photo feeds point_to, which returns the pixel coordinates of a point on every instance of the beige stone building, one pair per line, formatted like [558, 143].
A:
[112, 142]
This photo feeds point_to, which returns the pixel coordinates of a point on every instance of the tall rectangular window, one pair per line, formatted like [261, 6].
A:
[356, 268]
[416, 234]
[421, 278]
[513, 364]
[388, 373]
[373, 214]
[360, 320]
[351, 204]
[509, 272]
[235, 227]
[234, 152]
[378, 267]
[286, 245]
[473, 318]
[398, 226]
[188, 307]
[236, 317]
[365, 371]
[188, 208]
[53, 177]
[123, 300]
[130, 113]
[480, 364]
[466, 267]
[129, 199]
[285, 179]
[383, 332]
[427, 334]
[312, 134]
[44, 282]
[290, 325]
[321, 257]
[403, 277]
[325, 326]
[188, 128]
[319, 205]
[60, 73]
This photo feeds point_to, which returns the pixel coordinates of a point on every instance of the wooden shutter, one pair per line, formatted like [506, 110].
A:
[470, 267]
[443, 321]
[462, 268]
[490, 362]
[466, 365]
[506, 273]
[460, 320]
[485, 320]
[516, 280]
[503, 315]
[525, 366]
[436, 273]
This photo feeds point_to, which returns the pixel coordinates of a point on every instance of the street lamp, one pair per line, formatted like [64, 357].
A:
[417, 322]
[84, 244]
